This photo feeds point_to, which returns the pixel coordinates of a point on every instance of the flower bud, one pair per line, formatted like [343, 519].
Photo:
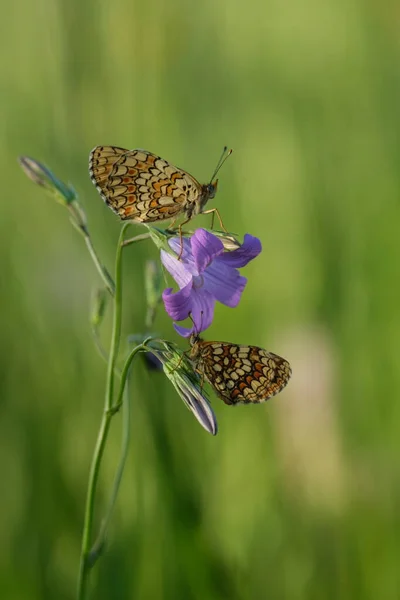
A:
[99, 304]
[179, 370]
[41, 175]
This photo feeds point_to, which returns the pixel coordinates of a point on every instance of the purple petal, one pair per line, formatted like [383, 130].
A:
[186, 257]
[205, 248]
[175, 245]
[202, 312]
[177, 268]
[224, 283]
[250, 248]
[179, 304]
[183, 331]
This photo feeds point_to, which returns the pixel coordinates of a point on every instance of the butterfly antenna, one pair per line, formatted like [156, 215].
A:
[225, 154]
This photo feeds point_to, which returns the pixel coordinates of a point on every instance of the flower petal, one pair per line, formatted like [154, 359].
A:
[178, 305]
[250, 248]
[176, 268]
[198, 404]
[202, 312]
[224, 283]
[186, 257]
[175, 245]
[205, 248]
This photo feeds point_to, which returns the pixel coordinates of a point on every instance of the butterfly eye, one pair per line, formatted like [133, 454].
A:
[212, 189]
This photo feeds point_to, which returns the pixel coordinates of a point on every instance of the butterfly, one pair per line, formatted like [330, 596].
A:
[239, 374]
[140, 186]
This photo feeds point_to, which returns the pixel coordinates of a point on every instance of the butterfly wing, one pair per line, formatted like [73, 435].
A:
[243, 374]
[101, 162]
[143, 187]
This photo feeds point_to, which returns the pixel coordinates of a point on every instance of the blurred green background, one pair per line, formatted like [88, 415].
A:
[295, 499]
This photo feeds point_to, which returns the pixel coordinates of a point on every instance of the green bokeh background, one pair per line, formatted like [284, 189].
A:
[297, 499]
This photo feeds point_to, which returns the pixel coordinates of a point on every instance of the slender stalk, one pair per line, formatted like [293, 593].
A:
[98, 546]
[116, 332]
[125, 372]
[123, 398]
[104, 274]
[104, 425]
[137, 238]
[78, 220]
[88, 521]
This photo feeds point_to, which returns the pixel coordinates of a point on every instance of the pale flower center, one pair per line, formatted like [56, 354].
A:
[198, 281]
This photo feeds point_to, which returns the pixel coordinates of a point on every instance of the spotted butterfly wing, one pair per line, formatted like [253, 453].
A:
[240, 374]
[143, 187]
[101, 161]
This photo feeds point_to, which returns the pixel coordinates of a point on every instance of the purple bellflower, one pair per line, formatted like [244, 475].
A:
[205, 273]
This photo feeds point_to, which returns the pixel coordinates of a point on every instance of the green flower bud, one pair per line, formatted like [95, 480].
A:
[41, 175]
[99, 305]
[179, 370]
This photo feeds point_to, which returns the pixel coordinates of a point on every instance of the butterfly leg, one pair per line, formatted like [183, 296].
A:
[215, 211]
[200, 372]
[172, 223]
[185, 353]
[180, 236]
[212, 220]
[179, 228]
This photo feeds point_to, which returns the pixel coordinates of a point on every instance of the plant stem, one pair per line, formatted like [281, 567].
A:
[96, 550]
[88, 521]
[104, 425]
[78, 220]
[123, 398]
[116, 330]
[125, 372]
[98, 546]
[137, 238]
[104, 274]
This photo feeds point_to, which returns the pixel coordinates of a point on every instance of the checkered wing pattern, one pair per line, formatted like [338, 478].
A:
[140, 186]
[240, 374]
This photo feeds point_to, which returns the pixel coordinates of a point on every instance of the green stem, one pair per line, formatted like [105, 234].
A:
[104, 274]
[104, 425]
[98, 546]
[78, 220]
[88, 521]
[125, 371]
[116, 331]
[137, 238]
[123, 398]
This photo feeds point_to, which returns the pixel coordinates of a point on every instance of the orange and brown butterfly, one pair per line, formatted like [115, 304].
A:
[239, 374]
[140, 186]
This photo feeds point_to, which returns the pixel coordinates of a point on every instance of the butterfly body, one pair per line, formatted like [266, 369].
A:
[143, 187]
[240, 374]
